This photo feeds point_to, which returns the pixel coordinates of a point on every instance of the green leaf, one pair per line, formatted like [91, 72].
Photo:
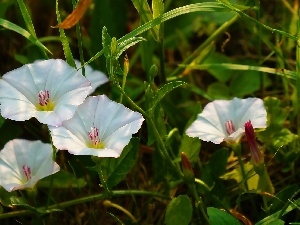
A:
[218, 90]
[5, 197]
[26, 17]
[219, 73]
[64, 40]
[179, 211]
[273, 222]
[274, 219]
[106, 42]
[220, 217]
[191, 147]
[247, 82]
[236, 174]
[165, 90]
[282, 197]
[198, 7]
[230, 66]
[277, 114]
[62, 179]
[11, 26]
[143, 9]
[114, 170]
[123, 46]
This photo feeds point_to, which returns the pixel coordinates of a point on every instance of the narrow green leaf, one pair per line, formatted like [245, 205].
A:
[123, 46]
[106, 43]
[143, 9]
[158, 10]
[11, 26]
[64, 40]
[229, 66]
[274, 219]
[27, 18]
[165, 90]
[114, 170]
[179, 211]
[198, 7]
[220, 217]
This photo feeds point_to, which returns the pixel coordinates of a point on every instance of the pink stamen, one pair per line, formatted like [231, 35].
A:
[229, 127]
[94, 135]
[26, 171]
[44, 97]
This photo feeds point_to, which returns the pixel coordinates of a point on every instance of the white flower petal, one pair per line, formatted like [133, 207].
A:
[97, 78]
[114, 122]
[17, 153]
[19, 91]
[210, 124]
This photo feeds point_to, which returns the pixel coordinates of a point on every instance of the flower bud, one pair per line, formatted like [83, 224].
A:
[187, 168]
[256, 155]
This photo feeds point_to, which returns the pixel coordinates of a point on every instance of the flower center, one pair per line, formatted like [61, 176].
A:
[229, 127]
[95, 140]
[27, 172]
[44, 103]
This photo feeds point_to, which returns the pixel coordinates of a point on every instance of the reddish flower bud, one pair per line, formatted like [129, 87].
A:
[187, 168]
[256, 155]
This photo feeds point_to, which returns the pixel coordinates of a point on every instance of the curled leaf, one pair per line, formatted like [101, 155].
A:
[75, 16]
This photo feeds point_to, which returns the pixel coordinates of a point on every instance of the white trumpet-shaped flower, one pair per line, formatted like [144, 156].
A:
[100, 127]
[23, 163]
[97, 78]
[48, 90]
[223, 120]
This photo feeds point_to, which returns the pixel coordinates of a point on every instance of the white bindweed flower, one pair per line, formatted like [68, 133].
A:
[96, 77]
[100, 127]
[23, 163]
[48, 90]
[223, 120]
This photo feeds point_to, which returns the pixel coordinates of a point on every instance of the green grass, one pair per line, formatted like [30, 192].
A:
[185, 56]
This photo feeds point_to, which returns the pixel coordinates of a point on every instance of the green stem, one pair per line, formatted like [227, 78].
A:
[198, 181]
[79, 38]
[51, 177]
[199, 203]
[162, 148]
[82, 200]
[237, 149]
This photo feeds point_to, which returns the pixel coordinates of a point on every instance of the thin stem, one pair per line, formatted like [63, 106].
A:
[51, 177]
[162, 148]
[199, 203]
[79, 38]
[82, 200]
[237, 149]
[108, 203]
[198, 181]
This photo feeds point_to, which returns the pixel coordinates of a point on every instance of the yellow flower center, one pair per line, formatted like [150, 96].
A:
[44, 103]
